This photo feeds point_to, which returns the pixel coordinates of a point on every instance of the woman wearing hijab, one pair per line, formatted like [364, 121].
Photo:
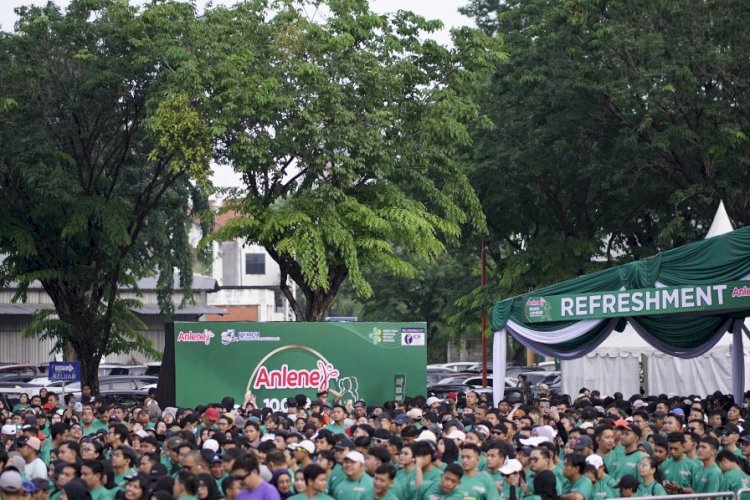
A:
[207, 489]
[282, 481]
[545, 486]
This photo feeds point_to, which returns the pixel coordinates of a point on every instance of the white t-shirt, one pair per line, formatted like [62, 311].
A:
[36, 469]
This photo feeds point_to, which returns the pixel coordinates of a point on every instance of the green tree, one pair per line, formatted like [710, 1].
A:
[431, 295]
[619, 127]
[101, 131]
[344, 125]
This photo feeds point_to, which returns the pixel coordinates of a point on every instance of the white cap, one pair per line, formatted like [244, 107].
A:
[511, 466]
[414, 414]
[639, 403]
[456, 434]
[355, 456]
[9, 430]
[595, 460]
[534, 441]
[427, 435]
[432, 400]
[211, 444]
[308, 445]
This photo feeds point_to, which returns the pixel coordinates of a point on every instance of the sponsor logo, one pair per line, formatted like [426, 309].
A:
[376, 336]
[274, 372]
[741, 292]
[412, 336]
[203, 337]
[231, 336]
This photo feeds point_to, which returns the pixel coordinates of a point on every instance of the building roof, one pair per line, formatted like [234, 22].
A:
[146, 310]
[200, 284]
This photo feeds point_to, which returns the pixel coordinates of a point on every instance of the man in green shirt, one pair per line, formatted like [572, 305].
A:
[734, 477]
[627, 462]
[580, 486]
[356, 485]
[605, 446]
[677, 470]
[315, 484]
[706, 478]
[124, 461]
[185, 486]
[382, 482]
[445, 489]
[338, 417]
[475, 485]
[92, 473]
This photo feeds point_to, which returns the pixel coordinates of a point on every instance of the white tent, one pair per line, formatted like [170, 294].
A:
[614, 366]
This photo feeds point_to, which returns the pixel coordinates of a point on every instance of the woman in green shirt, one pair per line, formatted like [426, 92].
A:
[648, 470]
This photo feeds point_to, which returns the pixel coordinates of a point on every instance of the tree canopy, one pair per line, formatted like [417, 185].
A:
[344, 125]
[102, 133]
[618, 128]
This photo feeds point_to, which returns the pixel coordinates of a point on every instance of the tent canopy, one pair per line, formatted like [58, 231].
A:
[680, 301]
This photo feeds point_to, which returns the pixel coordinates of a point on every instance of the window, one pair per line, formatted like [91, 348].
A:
[255, 263]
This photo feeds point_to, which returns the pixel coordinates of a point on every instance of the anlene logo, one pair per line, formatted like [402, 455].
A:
[204, 337]
[741, 292]
[296, 377]
[286, 378]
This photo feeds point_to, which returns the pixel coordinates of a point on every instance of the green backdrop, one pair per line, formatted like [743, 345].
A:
[371, 361]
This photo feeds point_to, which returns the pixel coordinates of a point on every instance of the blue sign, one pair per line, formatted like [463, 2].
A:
[66, 371]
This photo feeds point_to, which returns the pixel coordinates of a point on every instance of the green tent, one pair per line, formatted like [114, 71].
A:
[681, 301]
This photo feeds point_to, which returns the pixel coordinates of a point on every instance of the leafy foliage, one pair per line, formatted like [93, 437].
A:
[344, 128]
[618, 128]
[101, 130]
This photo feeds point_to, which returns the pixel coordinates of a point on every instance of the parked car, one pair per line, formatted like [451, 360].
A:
[434, 374]
[18, 371]
[126, 398]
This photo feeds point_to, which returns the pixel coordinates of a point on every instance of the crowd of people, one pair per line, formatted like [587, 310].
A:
[553, 446]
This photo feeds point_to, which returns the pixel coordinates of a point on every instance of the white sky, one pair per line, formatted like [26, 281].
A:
[445, 10]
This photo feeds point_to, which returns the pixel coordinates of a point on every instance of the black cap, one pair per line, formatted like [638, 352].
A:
[158, 471]
[628, 481]
[344, 443]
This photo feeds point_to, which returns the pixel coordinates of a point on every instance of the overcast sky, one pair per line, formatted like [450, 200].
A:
[445, 10]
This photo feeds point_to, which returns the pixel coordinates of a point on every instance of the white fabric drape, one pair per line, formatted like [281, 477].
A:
[702, 375]
[606, 374]
[499, 356]
[565, 334]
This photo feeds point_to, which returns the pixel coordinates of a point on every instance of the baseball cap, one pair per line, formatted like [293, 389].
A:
[344, 443]
[415, 414]
[355, 456]
[174, 442]
[456, 434]
[595, 460]
[583, 442]
[11, 481]
[639, 403]
[158, 471]
[212, 414]
[511, 466]
[307, 445]
[401, 419]
[359, 404]
[8, 430]
[427, 435]
[32, 442]
[432, 400]
[40, 484]
[730, 428]
[211, 444]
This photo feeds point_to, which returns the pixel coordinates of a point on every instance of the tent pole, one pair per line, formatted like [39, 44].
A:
[738, 362]
[484, 315]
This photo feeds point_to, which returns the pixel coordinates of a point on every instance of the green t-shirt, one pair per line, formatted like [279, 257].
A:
[611, 460]
[479, 487]
[583, 487]
[651, 489]
[735, 480]
[628, 464]
[405, 484]
[432, 491]
[361, 489]
[319, 496]
[337, 475]
[678, 472]
[336, 429]
[606, 487]
[562, 484]
[707, 479]
[102, 493]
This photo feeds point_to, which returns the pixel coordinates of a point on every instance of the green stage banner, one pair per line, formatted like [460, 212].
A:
[733, 295]
[278, 360]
